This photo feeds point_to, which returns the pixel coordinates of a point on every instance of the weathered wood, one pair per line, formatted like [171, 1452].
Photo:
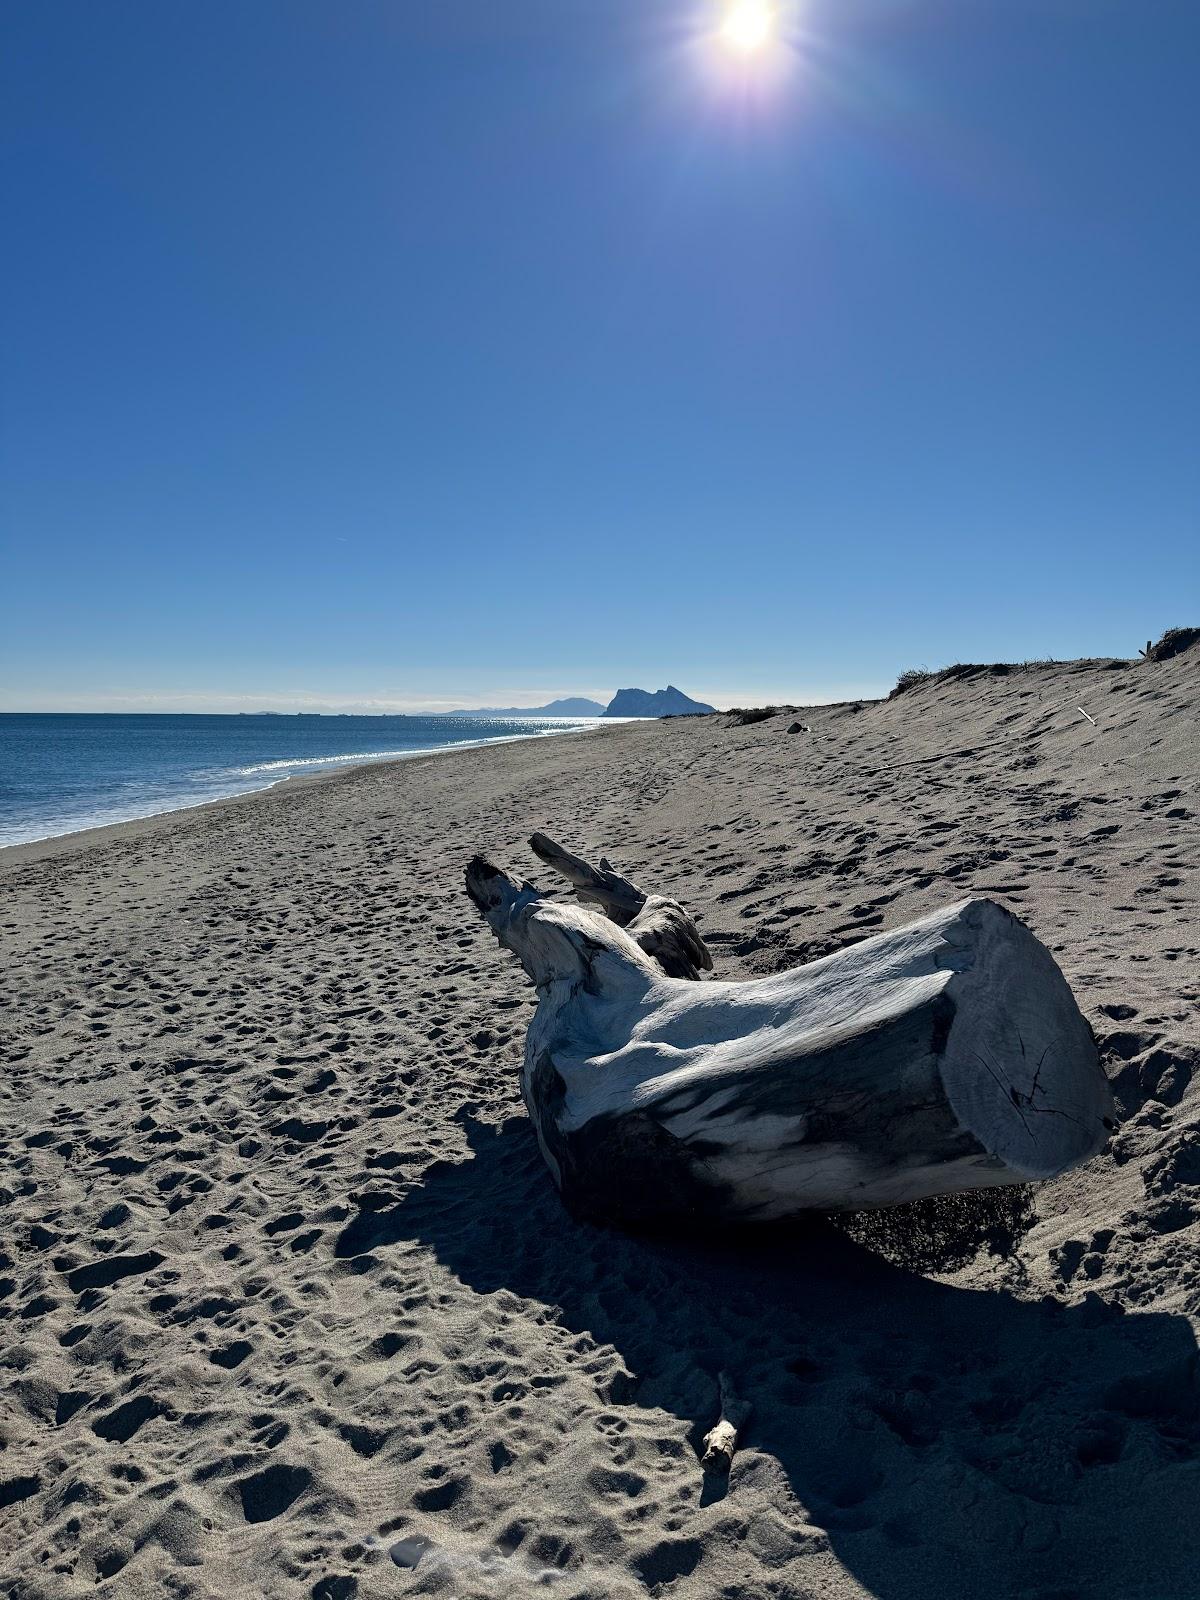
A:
[662, 927]
[721, 1441]
[941, 1056]
[602, 885]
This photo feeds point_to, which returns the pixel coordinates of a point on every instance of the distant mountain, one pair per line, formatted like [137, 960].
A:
[574, 706]
[668, 702]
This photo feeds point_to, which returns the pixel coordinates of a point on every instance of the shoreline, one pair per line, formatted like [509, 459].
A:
[283, 1263]
[101, 832]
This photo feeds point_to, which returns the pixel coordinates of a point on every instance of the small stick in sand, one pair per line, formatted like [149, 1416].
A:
[1083, 713]
[720, 1442]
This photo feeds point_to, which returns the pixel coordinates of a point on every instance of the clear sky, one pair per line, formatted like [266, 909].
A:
[404, 352]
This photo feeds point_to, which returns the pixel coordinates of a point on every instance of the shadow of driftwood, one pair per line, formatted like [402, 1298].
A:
[949, 1442]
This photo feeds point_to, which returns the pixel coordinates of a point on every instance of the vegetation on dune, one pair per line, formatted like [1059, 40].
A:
[910, 679]
[970, 669]
[743, 715]
[1172, 643]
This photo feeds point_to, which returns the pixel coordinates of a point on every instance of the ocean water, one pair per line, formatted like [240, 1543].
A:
[63, 772]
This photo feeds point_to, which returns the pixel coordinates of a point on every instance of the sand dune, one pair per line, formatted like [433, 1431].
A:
[290, 1306]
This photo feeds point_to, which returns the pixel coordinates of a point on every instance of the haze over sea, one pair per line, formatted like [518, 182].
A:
[65, 771]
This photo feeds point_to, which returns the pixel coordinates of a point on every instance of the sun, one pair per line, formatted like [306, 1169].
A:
[748, 26]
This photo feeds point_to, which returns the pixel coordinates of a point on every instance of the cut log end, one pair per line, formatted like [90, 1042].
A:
[1019, 1066]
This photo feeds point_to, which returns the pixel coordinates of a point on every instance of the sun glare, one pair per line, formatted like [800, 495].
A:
[748, 26]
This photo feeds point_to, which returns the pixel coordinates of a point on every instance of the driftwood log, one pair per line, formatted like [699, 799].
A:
[941, 1056]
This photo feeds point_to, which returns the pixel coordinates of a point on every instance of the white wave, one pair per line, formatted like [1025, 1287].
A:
[325, 761]
[61, 827]
[211, 788]
[291, 763]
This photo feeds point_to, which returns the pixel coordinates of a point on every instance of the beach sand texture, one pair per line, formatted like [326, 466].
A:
[290, 1306]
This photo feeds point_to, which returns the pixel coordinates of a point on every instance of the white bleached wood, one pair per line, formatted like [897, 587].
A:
[661, 926]
[941, 1056]
[720, 1442]
[602, 885]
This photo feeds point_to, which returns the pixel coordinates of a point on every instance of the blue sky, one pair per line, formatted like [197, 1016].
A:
[401, 353]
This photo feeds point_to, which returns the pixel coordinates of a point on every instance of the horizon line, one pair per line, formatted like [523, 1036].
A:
[276, 704]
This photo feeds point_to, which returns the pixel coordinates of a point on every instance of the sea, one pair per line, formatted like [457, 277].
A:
[63, 772]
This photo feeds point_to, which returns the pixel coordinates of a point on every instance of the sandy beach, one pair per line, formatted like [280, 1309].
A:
[290, 1305]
